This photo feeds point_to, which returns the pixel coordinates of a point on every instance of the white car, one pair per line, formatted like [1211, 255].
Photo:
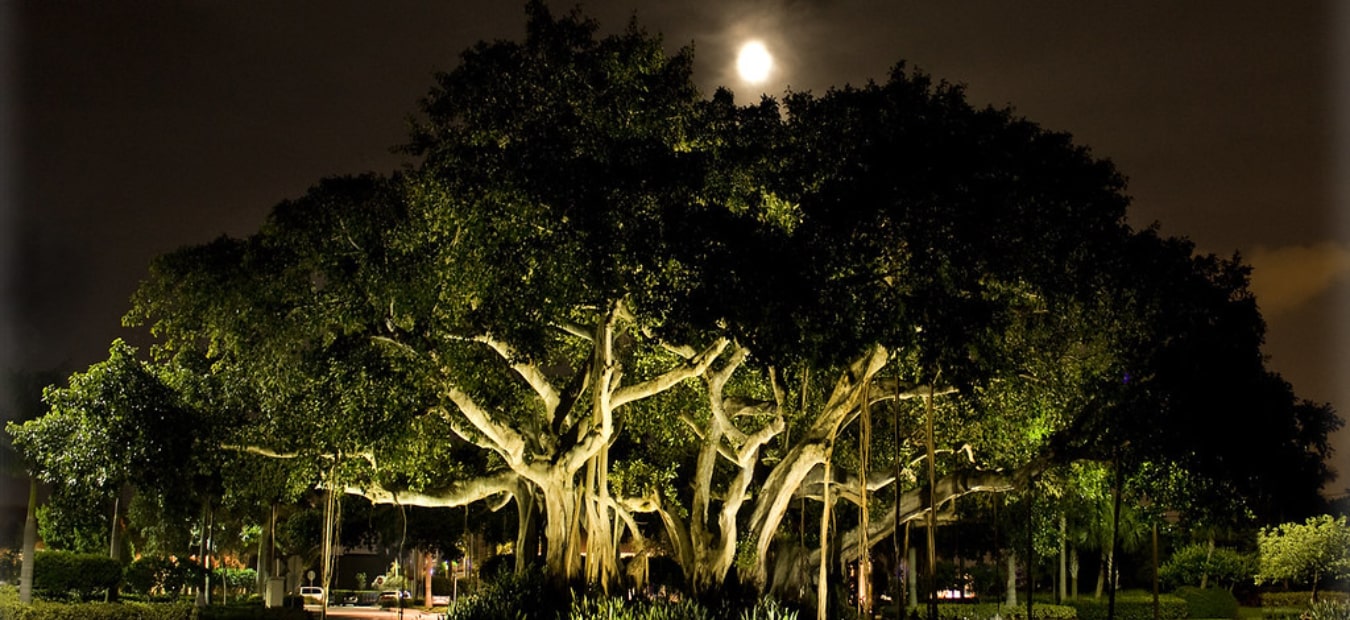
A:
[392, 598]
[313, 595]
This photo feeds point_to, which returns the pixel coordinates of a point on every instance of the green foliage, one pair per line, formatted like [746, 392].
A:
[1282, 613]
[235, 578]
[603, 608]
[74, 522]
[1189, 564]
[251, 611]
[63, 574]
[529, 597]
[1209, 603]
[121, 423]
[765, 609]
[117, 422]
[606, 608]
[47, 610]
[1329, 610]
[1300, 598]
[513, 597]
[155, 575]
[1305, 552]
[12, 609]
[1132, 606]
[986, 611]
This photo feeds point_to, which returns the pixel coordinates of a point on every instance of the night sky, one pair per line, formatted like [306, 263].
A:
[128, 129]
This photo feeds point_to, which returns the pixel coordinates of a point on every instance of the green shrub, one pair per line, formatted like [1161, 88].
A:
[250, 612]
[509, 597]
[1282, 613]
[765, 609]
[1329, 610]
[1131, 606]
[236, 579]
[607, 608]
[161, 577]
[1209, 603]
[62, 574]
[985, 611]
[1190, 564]
[48, 610]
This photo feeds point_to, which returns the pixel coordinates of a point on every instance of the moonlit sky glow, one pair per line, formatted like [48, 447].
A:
[754, 63]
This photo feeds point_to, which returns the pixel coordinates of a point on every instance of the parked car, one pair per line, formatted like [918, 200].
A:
[394, 598]
[313, 595]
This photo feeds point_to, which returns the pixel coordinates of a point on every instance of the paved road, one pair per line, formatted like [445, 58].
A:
[373, 613]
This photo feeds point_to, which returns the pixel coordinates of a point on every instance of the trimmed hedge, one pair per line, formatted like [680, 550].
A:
[61, 574]
[1132, 606]
[1210, 602]
[45, 610]
[12, 609]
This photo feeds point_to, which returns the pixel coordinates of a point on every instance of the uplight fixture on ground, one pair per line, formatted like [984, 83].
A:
[754, 63]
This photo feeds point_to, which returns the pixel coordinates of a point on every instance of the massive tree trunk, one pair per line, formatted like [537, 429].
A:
[561, 555]
[552, 448]
[714, 543]
[527, 527]
[809, 451]
[705, 546]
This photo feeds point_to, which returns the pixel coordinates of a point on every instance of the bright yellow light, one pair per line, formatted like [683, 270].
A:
[754, 62]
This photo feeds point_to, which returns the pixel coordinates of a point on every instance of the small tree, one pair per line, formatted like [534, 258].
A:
[1305, 552]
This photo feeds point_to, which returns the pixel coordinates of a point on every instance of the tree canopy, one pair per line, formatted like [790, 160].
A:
[1305, 552]
[597, 294]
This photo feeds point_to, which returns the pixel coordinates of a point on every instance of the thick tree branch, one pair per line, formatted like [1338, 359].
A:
[809, 451]
[502, 439]
[573, 328]
[466, 492]
[913, 504]
[693, 368]
[844, 485]
[529, 372]
[278, 454]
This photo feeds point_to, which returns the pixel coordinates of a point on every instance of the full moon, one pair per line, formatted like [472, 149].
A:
[753, 62]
